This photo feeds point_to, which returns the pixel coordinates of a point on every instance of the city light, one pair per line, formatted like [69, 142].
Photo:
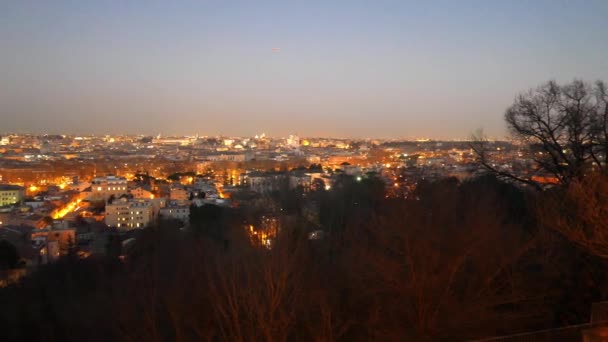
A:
[68, 208]
[137, 201]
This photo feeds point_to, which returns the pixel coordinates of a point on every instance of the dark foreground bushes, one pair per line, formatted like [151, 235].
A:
[453, 262]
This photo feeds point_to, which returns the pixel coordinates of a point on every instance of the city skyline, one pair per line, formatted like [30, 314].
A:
[366, 70]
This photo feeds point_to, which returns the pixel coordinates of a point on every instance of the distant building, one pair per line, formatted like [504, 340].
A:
[313, 159]
[104, 187]
[229, 156]
[351, 170]
[127, 214]
[297, 179]
[79, 186]
[293, 141]
[141, 192]
[11, 194]
[178, 194]
[265, 183]
[176, 212]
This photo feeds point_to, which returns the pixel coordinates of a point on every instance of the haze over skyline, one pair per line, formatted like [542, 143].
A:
[346, 69]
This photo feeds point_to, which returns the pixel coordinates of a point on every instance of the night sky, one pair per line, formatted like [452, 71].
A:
[438, 69]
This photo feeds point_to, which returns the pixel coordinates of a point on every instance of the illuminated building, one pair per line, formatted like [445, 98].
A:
[229, 156]
[141, 192]
[293, 141]
[313, 159]
[11, 194]
[104, 187]
[179, 194]
[131, 213]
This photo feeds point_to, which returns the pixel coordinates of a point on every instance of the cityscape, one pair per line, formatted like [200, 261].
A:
[74, 187]
[319, 171]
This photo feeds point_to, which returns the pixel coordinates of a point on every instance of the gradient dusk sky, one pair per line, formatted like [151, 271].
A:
[439, 69]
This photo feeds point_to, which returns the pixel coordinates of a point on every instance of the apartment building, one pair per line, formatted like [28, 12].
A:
[124, 213]
[11, 194]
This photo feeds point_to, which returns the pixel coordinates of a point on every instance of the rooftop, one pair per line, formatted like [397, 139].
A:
[9, 187]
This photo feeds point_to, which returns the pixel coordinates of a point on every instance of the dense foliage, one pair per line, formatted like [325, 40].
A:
[453, 261]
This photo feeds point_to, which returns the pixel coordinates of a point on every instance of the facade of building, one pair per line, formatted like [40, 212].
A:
[79, 186]
[176, 212]
[230, 156]
[128, 214]
[179, 194]
[104, 187]
[300, 180]
[11, 194]
[141, 192]
[265, 183]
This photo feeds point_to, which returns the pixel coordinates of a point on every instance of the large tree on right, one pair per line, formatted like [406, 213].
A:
[564, 127]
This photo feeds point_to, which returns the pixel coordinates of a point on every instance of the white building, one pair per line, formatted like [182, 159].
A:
[131, 213]
[104, 187]
[10, 194]
[293, 141]
[229, 156]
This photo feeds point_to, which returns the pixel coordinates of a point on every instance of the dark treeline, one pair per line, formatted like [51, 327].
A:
[453, 261]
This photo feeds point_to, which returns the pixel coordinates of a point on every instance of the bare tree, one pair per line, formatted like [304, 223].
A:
[480, 146]
[255, 294]
[565, 128]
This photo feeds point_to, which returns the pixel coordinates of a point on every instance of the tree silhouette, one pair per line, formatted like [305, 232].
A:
[8, 255]
[565, 128]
